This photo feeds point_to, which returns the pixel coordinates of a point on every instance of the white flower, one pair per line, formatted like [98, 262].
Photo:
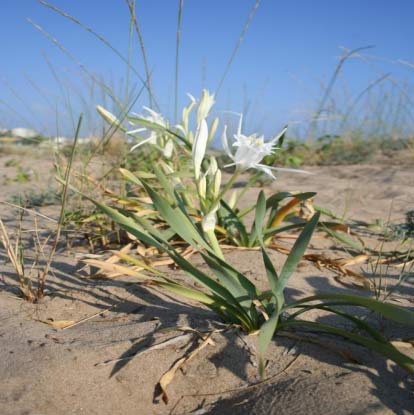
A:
[153, 135]
[204, 107]
[251, 150]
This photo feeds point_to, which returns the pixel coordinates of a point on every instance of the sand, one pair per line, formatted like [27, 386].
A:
[49, 371]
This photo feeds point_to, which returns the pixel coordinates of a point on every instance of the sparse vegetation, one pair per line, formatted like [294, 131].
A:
[152, 199]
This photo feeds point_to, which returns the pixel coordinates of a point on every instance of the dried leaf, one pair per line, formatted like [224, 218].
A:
[58, 324]
[168, 376]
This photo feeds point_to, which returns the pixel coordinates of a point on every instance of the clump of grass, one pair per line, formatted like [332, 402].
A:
[402, 230]
[16, 251]
[23, 175]
[36, 198]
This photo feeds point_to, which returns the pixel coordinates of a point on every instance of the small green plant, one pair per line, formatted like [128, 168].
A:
[236, 299]
[403, 230]
[34, 198]
[184, 166]
[182, 200]
[11, 163]
[23, 175]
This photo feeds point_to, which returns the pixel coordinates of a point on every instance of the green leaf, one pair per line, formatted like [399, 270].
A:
[231, 220]
[178, 221]
[128, 224]
[270, 269]
[241, 288]
[131, 177]
[357, 321]
[390, 311]
[260, 214]
[215, 287]
[345, 239]
[165, 184]
[266, 334]
[296, 253]
[273, 231]
[386, 349]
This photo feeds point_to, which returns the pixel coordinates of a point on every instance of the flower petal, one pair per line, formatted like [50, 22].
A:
[287, 169]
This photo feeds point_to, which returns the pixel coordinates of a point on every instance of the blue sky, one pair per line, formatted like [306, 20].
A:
[290, 50]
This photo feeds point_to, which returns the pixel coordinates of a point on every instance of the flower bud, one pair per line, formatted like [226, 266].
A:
[202, 186]
[108, 116]
[209, 221]
[206, 102]
[217, 183]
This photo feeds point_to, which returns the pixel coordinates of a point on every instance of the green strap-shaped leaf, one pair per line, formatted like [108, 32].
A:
[269, 233]
[328, 307]
[390, 311]
[296, 253]
[177, 220]
[165, 184]
[386, 349]
[215, 287]
[345, 239]
[265, 337]
[131, 177]
[233, 221]
[270, 269]
[242, 289]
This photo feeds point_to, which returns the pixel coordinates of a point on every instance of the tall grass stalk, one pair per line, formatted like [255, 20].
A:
[101, 38]
[43, 277]
[131, 6]
[330, 86]
[177, 55]
[238, 44]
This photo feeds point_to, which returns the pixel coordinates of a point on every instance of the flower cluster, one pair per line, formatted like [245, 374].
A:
[153, 129]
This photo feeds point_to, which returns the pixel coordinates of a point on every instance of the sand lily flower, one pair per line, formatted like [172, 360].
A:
[151, 138]
[251, 149]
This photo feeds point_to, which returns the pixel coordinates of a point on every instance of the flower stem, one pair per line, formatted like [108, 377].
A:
[215, 244]
[229, 184]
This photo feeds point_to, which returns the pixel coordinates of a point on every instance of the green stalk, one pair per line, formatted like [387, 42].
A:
[215, 244]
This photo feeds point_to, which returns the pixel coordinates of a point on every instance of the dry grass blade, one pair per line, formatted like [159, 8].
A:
[159, 346]
[12, 254]
[4, 237]
[168, 376]
[339, 267]
[42, 277]
[58, 324]
[113, 270]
